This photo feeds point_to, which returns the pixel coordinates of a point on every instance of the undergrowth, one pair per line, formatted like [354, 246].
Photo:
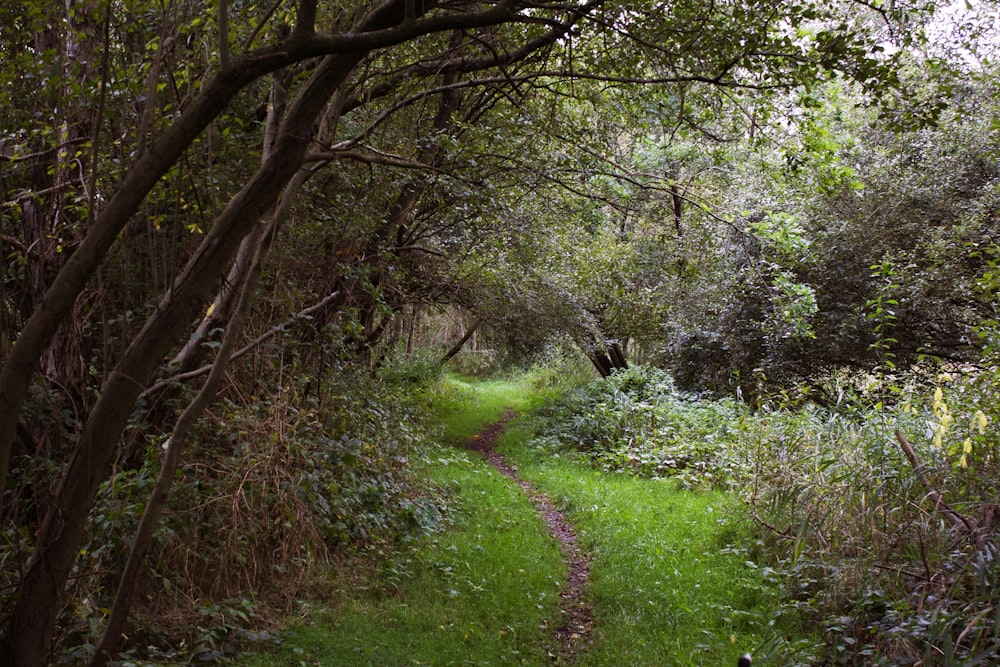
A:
[637, 421]
[672, 577]
[893, 560]
[481, 592]
[274, 488]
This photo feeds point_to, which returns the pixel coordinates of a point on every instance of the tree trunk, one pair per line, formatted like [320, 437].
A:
[617, 354]
[60, 298]
[61, 533]
[112, 637]
[457, 347]
[601, 362]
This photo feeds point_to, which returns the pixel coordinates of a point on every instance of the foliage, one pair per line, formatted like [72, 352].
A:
[475, 363]
[853, 243]
[278, 488]
[848, 529]
[637, 421]
[481, 592]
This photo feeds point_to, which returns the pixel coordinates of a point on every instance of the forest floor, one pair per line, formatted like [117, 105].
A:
[540, 559]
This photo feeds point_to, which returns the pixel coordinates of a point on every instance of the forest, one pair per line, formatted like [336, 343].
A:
[268, 268]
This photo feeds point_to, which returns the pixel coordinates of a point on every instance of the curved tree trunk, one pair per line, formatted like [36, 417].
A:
[112, 637]
[457, 347]
[62, 530]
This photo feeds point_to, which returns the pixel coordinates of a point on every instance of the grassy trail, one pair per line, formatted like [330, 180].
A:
[668, 585]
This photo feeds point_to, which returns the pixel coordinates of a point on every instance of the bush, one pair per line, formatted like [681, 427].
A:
[853, 531]
[637, 421]
[847, 527]
[271, 488]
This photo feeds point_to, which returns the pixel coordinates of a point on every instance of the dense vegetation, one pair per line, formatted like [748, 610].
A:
[890, 554]
[239, 241]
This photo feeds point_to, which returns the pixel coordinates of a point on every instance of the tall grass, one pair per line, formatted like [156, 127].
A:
[867, 544]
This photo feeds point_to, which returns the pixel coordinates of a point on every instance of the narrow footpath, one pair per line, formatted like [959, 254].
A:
[574, 632]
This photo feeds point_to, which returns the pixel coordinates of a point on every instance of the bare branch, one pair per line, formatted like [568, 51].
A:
[264, 337]
[954, 518]
[373, 157]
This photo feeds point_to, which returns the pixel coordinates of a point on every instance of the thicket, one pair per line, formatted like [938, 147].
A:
[853, 242]
[363, 167]
[281, 481]
[892, 554]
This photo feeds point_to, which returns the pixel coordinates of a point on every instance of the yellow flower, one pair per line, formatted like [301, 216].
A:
[938, 395]
[964, 462]
[981, 420]
[967, 446]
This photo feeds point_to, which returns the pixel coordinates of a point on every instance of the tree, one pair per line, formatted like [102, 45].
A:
[877, 229]
[402, 90]
[60, 533]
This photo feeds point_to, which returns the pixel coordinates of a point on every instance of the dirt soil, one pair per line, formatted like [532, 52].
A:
[575, 629]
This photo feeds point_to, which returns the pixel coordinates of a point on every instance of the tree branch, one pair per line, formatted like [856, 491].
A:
[264, 337]
[953, 517]
[223, 35]
[376, 157]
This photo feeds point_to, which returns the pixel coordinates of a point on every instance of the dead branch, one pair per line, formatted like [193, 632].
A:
[198, 372]
[953, 517]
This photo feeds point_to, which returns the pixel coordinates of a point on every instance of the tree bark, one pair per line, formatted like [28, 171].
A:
[112, 638]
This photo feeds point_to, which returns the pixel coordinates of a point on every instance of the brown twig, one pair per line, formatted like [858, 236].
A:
[953, 517]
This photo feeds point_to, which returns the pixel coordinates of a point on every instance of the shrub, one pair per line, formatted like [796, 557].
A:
[637, 421]
[854, 531]
[855, 535]
[271, 487]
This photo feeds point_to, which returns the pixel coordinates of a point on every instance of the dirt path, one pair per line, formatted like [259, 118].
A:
[575, 629]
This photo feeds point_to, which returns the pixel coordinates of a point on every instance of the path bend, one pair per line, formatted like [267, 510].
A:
[574, 631]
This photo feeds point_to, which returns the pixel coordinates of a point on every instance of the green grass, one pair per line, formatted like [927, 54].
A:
[465, 405]
[479, 593]
[671, 582]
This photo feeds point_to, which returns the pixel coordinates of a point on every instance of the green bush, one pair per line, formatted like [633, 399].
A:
[270, 488]
[849, 530]
[637, 421]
